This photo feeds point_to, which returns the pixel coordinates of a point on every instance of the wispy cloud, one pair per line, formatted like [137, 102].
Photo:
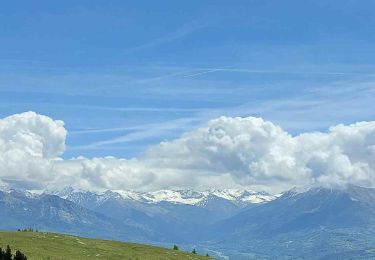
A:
[142, 132]
[243, 70]
[314, 110]
[305, 110]
[176, 35]
[164, 125]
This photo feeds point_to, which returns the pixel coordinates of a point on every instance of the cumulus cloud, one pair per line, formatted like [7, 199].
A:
[28, 143]
[257, 152]
[226, 152]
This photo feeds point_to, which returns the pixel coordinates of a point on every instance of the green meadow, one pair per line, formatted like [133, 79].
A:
[40, 245]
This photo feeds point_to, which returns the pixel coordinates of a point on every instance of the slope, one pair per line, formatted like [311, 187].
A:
[319, 223]
[40, 245]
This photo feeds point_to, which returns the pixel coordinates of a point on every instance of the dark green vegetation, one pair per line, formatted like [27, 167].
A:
[7, 254]
[40, 245]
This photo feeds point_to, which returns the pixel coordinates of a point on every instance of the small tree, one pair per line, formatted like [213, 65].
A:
[207, 255]
[1, 253]
[175, 247]
[194, 251]
[8, 253]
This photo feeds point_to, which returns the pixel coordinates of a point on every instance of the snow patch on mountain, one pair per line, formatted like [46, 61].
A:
[189, 197]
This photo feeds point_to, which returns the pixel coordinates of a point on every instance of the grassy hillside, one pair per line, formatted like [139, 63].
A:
[38, 245]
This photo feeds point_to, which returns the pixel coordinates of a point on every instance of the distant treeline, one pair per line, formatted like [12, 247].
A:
[27, 230]
[7, 254]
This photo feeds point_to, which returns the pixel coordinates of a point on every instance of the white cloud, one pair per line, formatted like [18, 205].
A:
[28, 143]
[34, 134]
[103, 173]
[257, 152]
[226, 152]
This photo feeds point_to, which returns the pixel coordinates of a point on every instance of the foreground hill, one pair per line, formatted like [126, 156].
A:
[39, 245]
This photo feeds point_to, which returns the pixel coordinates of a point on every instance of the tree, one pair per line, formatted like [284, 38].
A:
[194, 251]
[19, 256]
[8, 253]
[175, 247]
[207, 255]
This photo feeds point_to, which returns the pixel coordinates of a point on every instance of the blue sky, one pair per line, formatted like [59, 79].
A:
[126, 74]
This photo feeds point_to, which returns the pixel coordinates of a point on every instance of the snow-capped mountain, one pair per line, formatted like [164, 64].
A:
[170, 210]
[188, 197]
[337, 219]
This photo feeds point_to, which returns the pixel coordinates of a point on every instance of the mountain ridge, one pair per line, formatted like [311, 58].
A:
[178, 196]
[294, 224]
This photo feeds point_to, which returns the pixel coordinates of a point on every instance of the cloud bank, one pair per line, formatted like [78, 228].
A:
[226, 152]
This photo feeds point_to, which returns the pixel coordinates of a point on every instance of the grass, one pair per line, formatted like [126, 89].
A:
[40, 245]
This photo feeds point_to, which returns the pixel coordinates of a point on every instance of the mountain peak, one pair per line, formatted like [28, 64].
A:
[189, 197]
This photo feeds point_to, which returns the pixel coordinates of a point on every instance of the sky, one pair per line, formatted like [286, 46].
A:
[125, 76]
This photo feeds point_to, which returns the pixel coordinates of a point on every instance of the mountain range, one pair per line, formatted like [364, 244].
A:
[316, 223]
